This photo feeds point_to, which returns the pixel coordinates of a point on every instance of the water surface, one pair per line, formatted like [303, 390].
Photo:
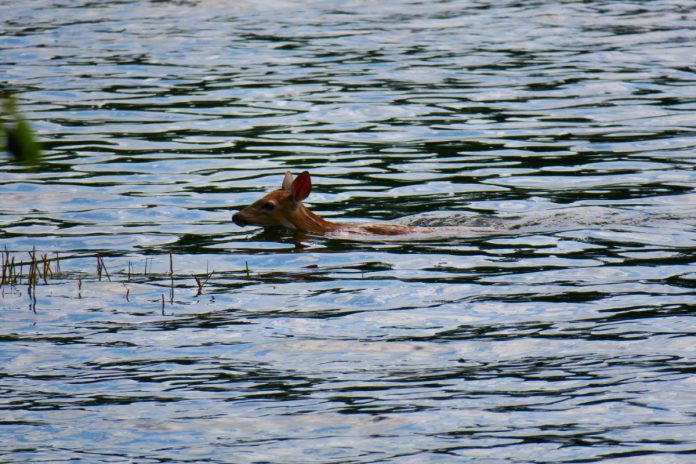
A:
[567, 336]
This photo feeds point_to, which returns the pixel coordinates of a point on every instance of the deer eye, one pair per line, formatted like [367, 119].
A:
[268, 206]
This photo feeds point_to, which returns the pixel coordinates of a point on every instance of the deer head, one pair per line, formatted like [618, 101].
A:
[284, 208]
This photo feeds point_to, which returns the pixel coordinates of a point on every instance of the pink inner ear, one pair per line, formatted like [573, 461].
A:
[301, 187]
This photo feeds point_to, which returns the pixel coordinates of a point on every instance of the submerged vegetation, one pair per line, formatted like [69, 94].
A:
[31, 269]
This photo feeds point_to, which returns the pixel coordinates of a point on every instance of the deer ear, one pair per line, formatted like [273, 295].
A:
[287, 181]
[301, 187]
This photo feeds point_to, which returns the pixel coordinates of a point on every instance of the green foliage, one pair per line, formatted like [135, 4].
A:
[19, 140]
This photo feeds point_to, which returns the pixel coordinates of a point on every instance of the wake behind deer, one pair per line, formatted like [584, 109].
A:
[284, 208]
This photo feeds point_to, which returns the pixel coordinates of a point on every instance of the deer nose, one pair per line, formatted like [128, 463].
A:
[239, 220]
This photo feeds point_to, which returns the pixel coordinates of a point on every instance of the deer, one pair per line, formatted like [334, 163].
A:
[284, 208]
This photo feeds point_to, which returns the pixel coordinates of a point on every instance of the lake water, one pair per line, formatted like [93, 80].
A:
[567, 336]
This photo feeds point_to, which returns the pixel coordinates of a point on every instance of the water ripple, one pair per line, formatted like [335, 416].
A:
[562, 337]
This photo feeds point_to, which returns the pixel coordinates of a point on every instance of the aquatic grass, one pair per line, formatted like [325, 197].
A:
[201, 281]
[101, 268]
[40, 269]
[171, 278]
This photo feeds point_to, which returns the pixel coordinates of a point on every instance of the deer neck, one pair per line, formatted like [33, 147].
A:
[306, 221]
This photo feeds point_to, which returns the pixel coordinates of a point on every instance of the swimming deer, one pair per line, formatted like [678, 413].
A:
[284, 208]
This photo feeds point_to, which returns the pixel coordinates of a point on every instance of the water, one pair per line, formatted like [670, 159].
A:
[566, 337]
